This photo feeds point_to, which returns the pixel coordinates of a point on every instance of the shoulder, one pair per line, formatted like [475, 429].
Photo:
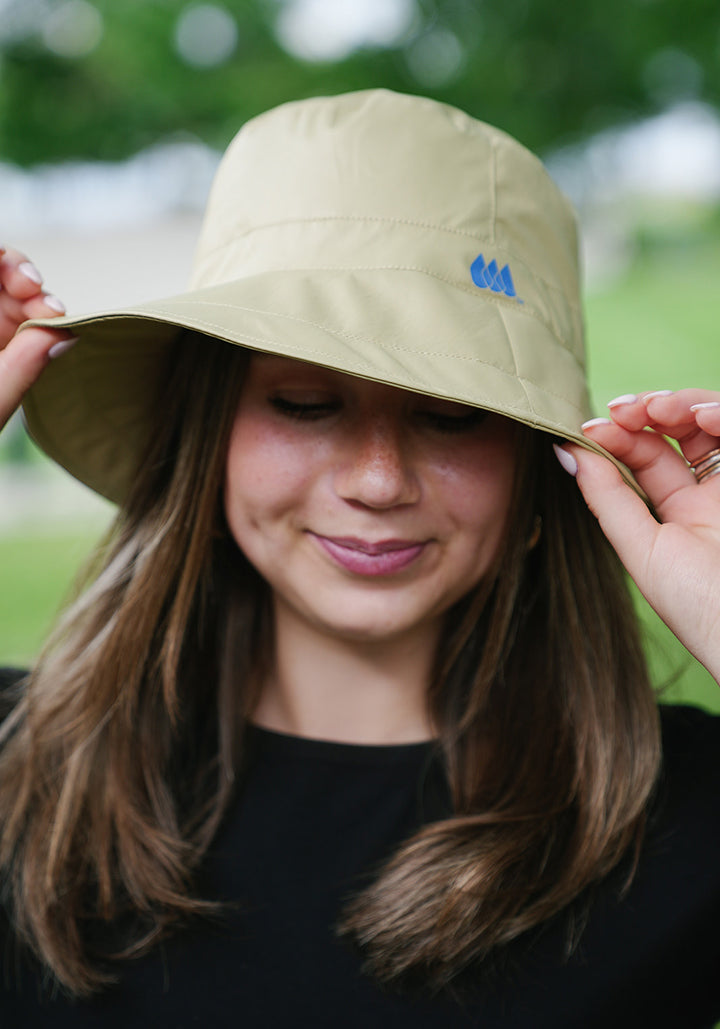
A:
[686, 809]
[678, 719]
[10, 679]
[691, 742]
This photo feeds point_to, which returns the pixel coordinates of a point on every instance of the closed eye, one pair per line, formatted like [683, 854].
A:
[454, 423]
[307, 411]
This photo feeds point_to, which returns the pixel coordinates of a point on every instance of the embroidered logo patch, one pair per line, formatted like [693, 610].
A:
[489, 276]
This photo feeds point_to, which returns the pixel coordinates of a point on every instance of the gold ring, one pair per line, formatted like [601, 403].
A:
[707, 465]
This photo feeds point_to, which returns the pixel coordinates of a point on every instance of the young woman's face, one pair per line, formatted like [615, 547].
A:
[369, 510]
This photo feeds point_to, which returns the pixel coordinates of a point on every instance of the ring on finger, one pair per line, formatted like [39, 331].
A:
[707, 465]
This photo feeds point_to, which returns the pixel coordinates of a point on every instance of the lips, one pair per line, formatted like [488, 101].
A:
[363, 557]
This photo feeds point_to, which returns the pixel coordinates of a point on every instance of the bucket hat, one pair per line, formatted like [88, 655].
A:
[383, 235]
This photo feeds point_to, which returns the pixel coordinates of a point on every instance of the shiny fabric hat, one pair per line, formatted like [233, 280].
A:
[383, 235]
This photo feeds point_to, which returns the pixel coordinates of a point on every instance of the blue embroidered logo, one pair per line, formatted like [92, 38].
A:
[489, 276]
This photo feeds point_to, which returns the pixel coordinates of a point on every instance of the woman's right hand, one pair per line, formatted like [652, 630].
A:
[23, 355]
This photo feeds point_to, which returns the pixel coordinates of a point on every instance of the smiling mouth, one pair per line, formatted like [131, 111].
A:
[365, 558]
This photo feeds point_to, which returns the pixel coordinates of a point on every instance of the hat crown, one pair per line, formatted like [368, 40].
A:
[377, 179]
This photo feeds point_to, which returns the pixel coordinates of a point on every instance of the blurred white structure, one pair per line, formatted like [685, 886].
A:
[662, 169]
[110, 233]
[329, 30]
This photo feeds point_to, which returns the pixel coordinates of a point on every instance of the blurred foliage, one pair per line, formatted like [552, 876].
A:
[549, 73]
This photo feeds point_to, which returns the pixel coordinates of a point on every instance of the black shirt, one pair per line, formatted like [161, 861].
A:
[312, 821]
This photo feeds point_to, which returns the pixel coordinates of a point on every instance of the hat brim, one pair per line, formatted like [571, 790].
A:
[92, 410]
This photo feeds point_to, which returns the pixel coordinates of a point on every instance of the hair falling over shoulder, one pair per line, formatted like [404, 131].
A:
[120, 758]
[116, 764]
[550, 734]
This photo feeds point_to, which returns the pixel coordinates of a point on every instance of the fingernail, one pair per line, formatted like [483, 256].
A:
[658, 393]
[59, 348]
[566, 459]
[704, 407]
[626, 398]
[30, 272]
[595, 421]
[55, 303]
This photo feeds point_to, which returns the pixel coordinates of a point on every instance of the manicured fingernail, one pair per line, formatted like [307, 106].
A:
[55, 303]
[595, 421]
[60, 348]
[30, 272]
[626, 398]
[706, 406]
[658, 393]
[566, 459]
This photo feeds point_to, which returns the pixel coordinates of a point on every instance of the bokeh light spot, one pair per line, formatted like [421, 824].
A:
[435, 58]
[206, 35]
[73, 29]
[329, 30]
[672, 75]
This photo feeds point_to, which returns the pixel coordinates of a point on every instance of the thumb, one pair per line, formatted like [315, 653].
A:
[22, 362]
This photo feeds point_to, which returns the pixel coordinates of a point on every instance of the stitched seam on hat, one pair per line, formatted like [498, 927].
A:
[527, 307]
[220, 330]
[370, 218]
[481, 240]
[351, 337]
[515, 362]
[493, 186]
[361, 365]
[354, 337]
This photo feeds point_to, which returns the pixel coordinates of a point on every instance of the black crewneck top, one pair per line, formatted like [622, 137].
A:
[312, 822]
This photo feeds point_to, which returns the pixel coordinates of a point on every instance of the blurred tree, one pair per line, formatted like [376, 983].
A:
[103, 78]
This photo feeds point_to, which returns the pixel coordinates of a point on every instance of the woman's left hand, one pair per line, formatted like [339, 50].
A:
[674, 558]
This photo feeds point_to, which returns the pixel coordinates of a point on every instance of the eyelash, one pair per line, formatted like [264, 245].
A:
[443, 423]
[451, 423]
[303, 412]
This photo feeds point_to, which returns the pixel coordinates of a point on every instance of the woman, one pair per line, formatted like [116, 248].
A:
[352, 721]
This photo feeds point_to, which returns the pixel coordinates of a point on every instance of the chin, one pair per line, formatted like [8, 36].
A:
[372, 630]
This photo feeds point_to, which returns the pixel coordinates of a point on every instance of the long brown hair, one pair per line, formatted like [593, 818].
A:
[122, 753]
[550, 735]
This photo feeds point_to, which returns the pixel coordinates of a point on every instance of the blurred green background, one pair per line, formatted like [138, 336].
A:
[98, 80]
[102, 79]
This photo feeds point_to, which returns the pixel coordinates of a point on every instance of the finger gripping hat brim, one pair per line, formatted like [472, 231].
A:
[382, 235]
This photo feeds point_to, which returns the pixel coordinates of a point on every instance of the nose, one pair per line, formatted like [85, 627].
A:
[377, 469]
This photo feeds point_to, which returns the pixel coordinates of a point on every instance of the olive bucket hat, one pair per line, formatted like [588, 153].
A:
[383, 235]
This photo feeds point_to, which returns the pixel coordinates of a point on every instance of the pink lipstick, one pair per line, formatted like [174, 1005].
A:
[364, 558]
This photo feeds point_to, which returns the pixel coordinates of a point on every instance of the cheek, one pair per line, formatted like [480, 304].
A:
[248, 488]
[265, 478]
[477, 491]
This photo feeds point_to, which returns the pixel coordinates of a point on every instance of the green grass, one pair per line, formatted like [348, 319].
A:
[658, 327]
[36, 572]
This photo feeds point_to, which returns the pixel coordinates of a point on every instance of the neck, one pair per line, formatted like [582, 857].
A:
[349, 691]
